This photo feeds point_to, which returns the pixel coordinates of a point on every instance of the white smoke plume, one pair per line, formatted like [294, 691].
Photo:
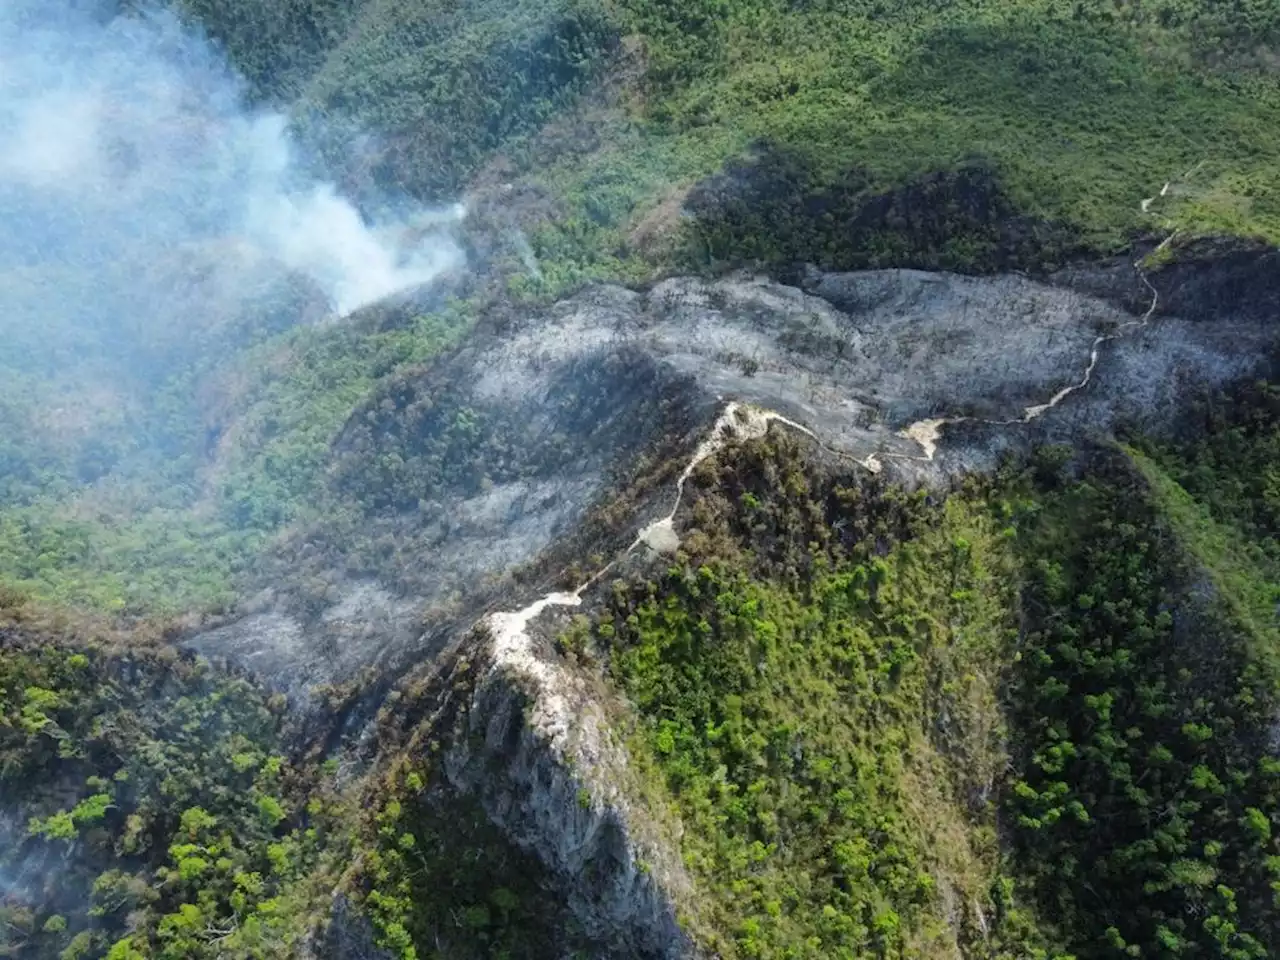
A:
[124, 139]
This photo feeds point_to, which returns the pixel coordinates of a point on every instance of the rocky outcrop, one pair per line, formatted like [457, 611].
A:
[541, 756]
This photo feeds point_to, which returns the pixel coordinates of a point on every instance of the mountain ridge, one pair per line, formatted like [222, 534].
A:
[832, 514]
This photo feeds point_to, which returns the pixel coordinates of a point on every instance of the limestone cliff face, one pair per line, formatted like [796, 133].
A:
[541, 758]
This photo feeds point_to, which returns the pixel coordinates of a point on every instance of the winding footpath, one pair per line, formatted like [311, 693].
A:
[927, 433]
[512, 645]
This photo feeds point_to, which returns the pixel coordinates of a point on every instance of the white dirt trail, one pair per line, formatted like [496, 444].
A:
[512, 645]
[928, 433]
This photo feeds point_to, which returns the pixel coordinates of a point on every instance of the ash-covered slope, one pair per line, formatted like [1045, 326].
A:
[477, 472]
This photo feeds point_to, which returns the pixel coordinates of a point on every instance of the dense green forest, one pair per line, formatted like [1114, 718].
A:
[847, 732]
[149, 808]
[1031, 715]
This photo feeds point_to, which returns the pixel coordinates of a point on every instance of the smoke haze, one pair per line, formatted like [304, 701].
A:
[137, 192]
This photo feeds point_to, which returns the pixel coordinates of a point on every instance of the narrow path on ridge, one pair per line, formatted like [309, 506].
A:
[512, 644]
[927, 433]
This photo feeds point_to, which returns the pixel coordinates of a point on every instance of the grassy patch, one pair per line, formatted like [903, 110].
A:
[163, 562]
[1241, 572]
[1080, 112]
[1218, 485]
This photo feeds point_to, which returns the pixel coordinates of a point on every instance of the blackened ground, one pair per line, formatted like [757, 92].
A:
[776, 208]
[469, 481]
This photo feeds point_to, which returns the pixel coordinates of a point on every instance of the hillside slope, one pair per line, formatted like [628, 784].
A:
[832, 514]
